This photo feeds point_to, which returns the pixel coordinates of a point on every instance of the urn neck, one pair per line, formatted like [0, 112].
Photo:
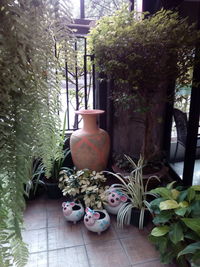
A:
[90, 123]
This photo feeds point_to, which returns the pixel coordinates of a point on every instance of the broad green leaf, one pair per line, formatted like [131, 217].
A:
[195, 208]
[162, 217]
[196, 187]
[191, 235]
[192, 248]
[183, 204]
[193, 223]
[154, 205]
[183, 195]
[168, 204]
[160, 242]
[191, 194]
[163, 192]
[176, 233]
[167, 257]
[196, 259]
[175, 193]
[160, 230]
[170, 185]
[181, 211]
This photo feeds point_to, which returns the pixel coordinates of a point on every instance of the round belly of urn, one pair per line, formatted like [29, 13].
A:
[90, 145]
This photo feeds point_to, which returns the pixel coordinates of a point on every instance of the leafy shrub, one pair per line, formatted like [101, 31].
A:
[176, 214]
[84, 185]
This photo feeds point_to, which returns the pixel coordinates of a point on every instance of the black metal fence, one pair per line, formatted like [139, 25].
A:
[79, 83]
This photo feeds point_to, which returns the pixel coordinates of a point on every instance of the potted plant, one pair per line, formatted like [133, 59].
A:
[134, 189]
[34, 186]
[85, 186]
[143, 57]
[176, 213]
[59, 162]
[51, 182]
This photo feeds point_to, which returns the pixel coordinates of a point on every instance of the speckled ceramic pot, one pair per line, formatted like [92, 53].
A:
[72, 211]
[90, 145]
[96, 220]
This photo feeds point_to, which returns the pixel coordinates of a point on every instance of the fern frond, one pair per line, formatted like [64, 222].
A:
[29, 106]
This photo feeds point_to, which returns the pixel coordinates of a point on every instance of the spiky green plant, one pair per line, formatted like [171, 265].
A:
[29, 123]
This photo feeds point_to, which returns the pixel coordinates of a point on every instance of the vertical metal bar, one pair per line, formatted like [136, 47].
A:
[85, 72]
[67, 93]
[193, 123]
[132, 5]
[168, 119]
[93, 82]
[76, 78]
[82, 9]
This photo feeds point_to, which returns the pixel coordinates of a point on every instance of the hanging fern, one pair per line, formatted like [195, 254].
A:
[29, 89]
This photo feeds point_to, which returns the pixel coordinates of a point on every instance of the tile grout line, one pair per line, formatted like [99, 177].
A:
[47, 236]
[85, 247]
[128, 257]
[146, 261]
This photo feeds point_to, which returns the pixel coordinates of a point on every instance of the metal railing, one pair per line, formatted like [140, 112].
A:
[78, 85]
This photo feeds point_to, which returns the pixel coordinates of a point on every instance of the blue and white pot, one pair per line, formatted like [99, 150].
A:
[96, 220]
[72, 211]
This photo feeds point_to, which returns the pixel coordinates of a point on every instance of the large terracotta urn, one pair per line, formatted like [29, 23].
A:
[90, 145]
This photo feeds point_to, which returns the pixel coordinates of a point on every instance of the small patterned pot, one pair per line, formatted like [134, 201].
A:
[96, 220]
[115, 199]
[72, 211]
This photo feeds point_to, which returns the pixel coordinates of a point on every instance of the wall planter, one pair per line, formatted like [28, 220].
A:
[90, 145]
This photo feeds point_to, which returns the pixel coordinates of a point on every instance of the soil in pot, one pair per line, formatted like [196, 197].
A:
[135, 217]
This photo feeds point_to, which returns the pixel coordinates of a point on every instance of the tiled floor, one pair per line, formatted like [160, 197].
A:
[53, 242]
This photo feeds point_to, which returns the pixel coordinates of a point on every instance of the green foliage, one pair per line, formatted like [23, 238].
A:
[35, 173]
[177, 231]
[29, 124]
[95, 9]
[84, 185]
[134, 188]
[143, 56]
[140, 54]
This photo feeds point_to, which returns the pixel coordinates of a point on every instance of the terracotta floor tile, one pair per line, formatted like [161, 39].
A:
[34, 207]
[55, 204]
[37, 260]
[127, 230]
[154, 264]
[107, 254]
[68, 257]
[64, 236]
[139, 249]
[36, 240]
[35, 220]
[90, 237]
[55, 218]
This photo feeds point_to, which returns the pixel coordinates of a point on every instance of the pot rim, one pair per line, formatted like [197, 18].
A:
[89, 111]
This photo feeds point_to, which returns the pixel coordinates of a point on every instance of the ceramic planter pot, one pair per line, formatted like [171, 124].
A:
[72, 211]
[96, 220]
[52, 189]
[90, 145]
[115, 200]
[135, 217]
